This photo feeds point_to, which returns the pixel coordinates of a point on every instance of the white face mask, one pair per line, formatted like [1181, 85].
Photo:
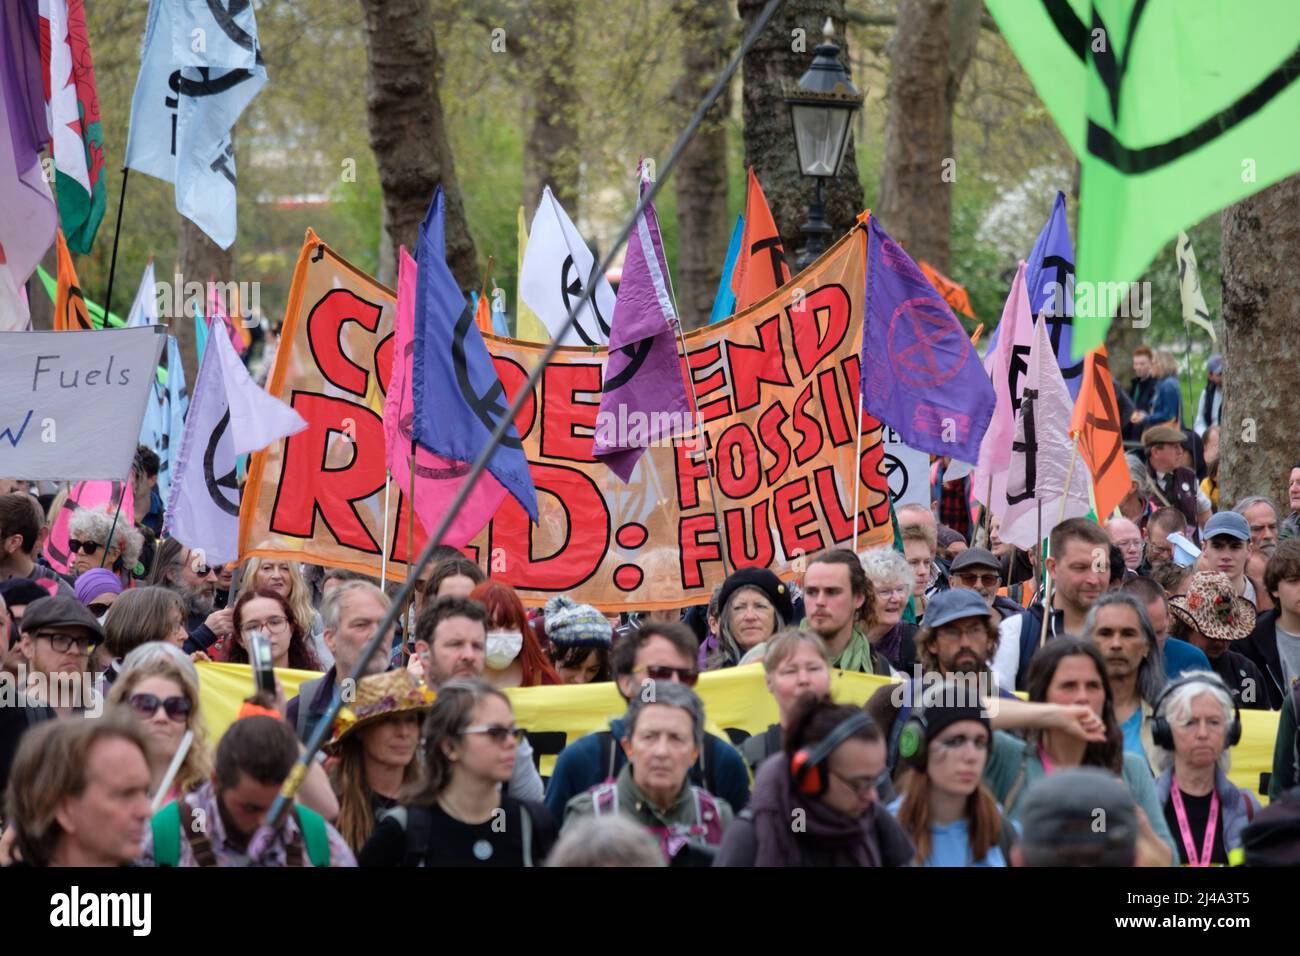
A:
[502, 648]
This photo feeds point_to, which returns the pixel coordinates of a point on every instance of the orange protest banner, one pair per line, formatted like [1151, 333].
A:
[778, 394]
[1097, 426]
[954, 293]
[70, 313]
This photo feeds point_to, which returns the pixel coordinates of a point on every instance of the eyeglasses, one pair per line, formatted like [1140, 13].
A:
[275, 624]
[89, 547]
[891, 592]
[657, 672]
[499, 733]
[861, 786]
[177, 708]
[64, 642]
[961, 740]
[970, 579]
[99, 608]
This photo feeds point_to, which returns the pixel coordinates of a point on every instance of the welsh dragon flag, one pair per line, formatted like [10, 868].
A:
[72, 106]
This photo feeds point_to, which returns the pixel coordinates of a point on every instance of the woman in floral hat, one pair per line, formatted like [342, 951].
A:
[1211, 616]
[376, 741]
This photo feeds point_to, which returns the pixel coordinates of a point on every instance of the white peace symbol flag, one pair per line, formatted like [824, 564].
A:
[557, 264]
[229, 416]
[1040, 470]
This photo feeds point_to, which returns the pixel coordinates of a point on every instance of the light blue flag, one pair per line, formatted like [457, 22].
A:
[200, 333]
[178, 403]
[500, 324]
[181, 133]
[724, 303]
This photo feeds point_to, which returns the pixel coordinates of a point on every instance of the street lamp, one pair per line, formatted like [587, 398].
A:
[820, 109]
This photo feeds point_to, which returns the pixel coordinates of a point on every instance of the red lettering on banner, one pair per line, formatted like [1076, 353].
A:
[837, 516]
[512, 378]
[751, 365]
[769, 433]
[738, 440]
[738, 539]
[792, 518]
[806, 426]
[837, 422]
[563, 414]
[384, 362]
[324, 333]
[715, 381]
[586, 536]
[695, 552]
[690, 472]
[869, 468]
[307, 487]
[820, 327]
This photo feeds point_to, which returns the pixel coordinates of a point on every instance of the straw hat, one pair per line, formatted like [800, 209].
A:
[1211, 605]
[379, 696]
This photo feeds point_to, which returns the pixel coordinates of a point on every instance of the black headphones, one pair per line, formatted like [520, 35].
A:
[1162, 735]
[807, 775]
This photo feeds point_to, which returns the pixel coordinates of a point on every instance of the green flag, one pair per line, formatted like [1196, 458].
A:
[1175, 108]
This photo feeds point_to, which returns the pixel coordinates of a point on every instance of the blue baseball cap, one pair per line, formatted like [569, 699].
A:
[953, 605]
[1227, 523]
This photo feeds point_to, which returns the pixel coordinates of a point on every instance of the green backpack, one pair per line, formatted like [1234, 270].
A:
[166, 825]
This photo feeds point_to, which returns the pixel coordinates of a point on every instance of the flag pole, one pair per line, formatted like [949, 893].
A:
[503, 423]
[407, 615]
[857, 474]
[1047, 578]
[113, 527]
[112, 262]
[1069, 476]
[383, 558]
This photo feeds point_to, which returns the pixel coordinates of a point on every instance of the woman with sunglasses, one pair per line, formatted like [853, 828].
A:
[946, 810]
[161, 687]
[268, 611]
[89, 532]
[459, 815]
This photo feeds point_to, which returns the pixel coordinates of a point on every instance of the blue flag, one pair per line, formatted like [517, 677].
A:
[920, 373]
[724, 303]
[458, 396]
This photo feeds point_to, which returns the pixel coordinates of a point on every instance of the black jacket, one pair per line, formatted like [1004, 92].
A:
[1261, 649]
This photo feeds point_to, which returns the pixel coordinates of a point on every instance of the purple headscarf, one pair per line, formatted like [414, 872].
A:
[95, 582]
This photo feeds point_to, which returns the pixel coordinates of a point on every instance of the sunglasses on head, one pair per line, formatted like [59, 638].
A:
[658, 672]
[89, 547]
[146, 705]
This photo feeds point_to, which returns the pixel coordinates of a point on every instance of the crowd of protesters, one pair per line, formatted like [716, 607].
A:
[1152, 633]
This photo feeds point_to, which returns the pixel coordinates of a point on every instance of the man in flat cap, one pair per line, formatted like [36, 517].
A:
[1173, 485]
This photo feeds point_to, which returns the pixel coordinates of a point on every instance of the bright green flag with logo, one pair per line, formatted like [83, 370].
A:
[1175, 108]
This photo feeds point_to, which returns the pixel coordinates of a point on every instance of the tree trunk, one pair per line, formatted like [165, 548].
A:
[199, 260]
[551, 148]
[781, 54]
[701, 181]
[932, 47]
[1261, 286]
[407, 132]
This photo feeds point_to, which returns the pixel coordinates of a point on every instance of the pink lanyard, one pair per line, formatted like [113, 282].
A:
[1047, 761]
[1188, 843]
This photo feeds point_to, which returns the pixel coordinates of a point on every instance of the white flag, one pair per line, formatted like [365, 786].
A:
[1042, 452]
[144, 310]
[228, 416]
[1195, 311]
[555, 270]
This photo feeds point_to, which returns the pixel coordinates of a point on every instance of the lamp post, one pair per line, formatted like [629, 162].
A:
[820, 109]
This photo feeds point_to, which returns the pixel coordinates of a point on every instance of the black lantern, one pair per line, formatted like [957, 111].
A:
[821, 107]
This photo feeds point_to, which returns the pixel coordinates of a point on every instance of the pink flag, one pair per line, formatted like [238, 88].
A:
[438, 479]
[1006, 363]
[217, 309]
[87, 494]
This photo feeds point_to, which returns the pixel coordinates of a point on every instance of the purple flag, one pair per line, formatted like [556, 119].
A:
[920, 373]
[1049, 279]
[643, 398]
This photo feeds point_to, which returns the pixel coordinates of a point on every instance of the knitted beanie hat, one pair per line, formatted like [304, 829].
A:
[576, 625]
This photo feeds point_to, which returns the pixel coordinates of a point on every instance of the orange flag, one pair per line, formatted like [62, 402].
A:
[483, 315]
[954, 293]
[760, 267]
[1097, 428]
[69, 305]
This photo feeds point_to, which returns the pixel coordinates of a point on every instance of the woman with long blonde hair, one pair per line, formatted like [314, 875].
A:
[285, 578]
[159, 685]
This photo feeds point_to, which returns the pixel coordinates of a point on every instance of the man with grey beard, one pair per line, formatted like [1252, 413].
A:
[177, 568]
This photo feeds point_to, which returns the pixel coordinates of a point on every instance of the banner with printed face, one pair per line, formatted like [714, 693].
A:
[777, 390]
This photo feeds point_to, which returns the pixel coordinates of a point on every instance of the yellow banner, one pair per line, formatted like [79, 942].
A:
[735, 698]
[777, 389]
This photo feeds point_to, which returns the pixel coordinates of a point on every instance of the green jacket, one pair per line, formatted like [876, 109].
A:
[859, 655]
[633, 803]
[1014, 766]
[1284, 751]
